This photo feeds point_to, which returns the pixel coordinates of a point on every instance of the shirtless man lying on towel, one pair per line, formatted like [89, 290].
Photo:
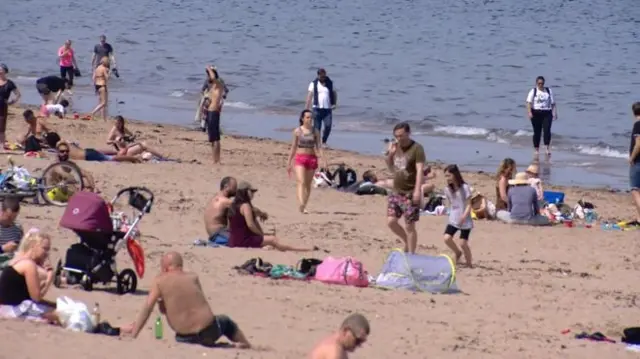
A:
[77, 153]
[215, 214]
[352, 334]
[181, 299]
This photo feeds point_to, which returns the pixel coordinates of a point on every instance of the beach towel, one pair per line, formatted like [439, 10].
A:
[28, 310]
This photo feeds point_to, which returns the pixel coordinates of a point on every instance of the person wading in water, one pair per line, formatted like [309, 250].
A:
[542, 111]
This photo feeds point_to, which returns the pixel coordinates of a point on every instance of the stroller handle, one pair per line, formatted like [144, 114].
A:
[132, 191]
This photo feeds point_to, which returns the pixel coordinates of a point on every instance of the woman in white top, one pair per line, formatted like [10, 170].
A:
[542, 110]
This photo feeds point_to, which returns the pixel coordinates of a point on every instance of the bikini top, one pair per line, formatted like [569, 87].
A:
[13, 287]
[306, 140]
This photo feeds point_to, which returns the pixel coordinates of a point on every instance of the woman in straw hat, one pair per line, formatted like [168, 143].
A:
[522, 203]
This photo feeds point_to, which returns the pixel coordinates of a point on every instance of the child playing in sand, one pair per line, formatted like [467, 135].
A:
[458, 194]
[55, 109]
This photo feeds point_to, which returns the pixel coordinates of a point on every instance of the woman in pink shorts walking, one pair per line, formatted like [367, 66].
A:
[306, 148]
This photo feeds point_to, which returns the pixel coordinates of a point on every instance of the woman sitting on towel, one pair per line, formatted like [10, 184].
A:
[125, 142]
[22, 287]
[522, 203]
[505, 173]
[244, 229]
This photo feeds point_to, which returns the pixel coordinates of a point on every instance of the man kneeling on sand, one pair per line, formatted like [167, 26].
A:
[352, 333]
[181, 299]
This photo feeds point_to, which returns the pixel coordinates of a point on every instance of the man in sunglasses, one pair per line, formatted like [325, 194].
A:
[352, 334]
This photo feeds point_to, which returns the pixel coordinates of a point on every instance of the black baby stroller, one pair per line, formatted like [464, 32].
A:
[102, 234]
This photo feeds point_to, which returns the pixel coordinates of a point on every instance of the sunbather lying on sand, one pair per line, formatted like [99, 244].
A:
[181, 299]
[352, 334]
[63, 176]
[125, 142]
[427, 188]
[77, 153]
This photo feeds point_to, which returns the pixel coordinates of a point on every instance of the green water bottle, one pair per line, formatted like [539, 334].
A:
[158, 327]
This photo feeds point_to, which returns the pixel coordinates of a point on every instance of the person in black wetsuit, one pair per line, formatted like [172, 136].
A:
[50, 88]
[7, 87]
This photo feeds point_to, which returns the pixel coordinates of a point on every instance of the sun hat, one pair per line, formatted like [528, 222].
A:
[520, 178]
[246, 186]
[532, 169]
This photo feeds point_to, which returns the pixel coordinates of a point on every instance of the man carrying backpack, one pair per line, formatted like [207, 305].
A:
[324, 98]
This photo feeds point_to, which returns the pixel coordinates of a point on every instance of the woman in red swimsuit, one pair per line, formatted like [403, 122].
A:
[306, 148]
[245, 230]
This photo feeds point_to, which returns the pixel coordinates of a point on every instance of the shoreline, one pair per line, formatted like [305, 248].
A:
[476, 155]
[281, 134]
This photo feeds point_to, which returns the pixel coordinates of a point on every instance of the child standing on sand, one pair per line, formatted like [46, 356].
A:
[458, 194]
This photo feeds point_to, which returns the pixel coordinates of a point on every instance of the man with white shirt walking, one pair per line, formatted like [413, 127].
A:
[324, 98]
[542, 111]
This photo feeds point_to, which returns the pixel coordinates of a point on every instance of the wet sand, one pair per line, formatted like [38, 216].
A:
[529, 284]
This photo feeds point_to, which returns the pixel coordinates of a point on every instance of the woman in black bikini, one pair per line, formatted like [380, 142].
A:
[100, 81]
[7, 87]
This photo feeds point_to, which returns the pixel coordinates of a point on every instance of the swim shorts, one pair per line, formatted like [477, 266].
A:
[92, 155]
[43, 89]
[399, 205]
[222, 326]
[309, 162]
[634, 176]
[220, 237]
[213, 126]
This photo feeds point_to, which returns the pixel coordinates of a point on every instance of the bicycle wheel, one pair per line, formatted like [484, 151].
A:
[59, 182]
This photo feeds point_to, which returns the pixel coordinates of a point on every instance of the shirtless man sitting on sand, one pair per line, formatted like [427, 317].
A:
[215, 214]
[181, 299]
[352, 333]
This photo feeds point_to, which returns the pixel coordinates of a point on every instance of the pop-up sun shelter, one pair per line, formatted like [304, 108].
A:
[423, 273]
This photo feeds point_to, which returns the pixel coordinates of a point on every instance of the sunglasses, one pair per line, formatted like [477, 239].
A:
[63, 151]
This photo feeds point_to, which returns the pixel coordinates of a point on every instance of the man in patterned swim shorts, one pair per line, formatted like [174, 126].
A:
[406, 160]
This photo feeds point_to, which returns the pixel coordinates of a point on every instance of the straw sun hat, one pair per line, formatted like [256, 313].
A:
[520, 178]
[532, 169]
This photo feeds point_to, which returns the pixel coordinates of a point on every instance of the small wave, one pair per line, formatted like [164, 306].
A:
[26, 78]
[239, 104]
[462, 130]
[601, 150]
[178, 93]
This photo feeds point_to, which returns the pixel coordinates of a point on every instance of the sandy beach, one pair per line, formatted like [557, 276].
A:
[528, 286]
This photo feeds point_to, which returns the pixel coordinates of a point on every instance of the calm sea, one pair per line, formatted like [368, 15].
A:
[458, 70]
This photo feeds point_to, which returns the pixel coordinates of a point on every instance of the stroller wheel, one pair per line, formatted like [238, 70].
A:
[127, 281]
[57, 276]
[86, 283]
